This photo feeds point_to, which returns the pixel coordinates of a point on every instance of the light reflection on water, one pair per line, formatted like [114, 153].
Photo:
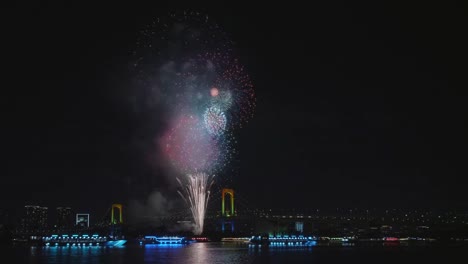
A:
[67, 254]
[196, 253]
[229, 253]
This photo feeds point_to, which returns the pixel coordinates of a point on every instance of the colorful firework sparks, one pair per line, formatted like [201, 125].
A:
[223, 100]
[214, 79]
[174, 36]
[196, 193]
[215, 121]
[184, 61]
[189, 147]
[214, 92]
[184, 67]
[236, 95]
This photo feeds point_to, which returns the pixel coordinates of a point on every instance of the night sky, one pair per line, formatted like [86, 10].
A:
[357, 106]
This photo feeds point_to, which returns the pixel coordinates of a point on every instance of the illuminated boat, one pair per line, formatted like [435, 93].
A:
[236, 239]
[116, 243]
[165, 240]
[284, 240]
[201, 239]
[391, 240]
[80, 240]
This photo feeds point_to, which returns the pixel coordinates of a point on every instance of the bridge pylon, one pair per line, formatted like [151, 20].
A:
[119, 219]
[227, 215]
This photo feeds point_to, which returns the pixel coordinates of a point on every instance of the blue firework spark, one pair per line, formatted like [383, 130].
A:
[215, 120]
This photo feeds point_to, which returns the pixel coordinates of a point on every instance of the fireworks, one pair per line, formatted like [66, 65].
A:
[189, 147]
[223, 100]
[214, 92]
[184, 68]
[215, 121]
[214, 79]
[175, 36]
[236, 96]
[184, 62]
[196, 193]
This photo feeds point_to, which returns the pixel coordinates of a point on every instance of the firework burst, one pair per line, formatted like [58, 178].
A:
[213, 79]
[215, 121]
[185, 70]
[235, 95]
[184, 61]
[196, 193]
[189, 147]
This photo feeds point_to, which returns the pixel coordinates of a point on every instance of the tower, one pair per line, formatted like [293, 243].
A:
[113, 218]
[35, 217]
[231, 211]
[64, 217]
[227, 215]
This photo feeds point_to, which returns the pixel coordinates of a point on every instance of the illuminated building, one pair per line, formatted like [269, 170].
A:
[64, 217]
[82, 220]
[299, 227]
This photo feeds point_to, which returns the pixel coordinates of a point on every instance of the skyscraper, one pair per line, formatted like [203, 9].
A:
[35, 218]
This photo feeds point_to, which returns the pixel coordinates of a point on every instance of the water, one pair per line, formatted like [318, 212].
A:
[228, 253]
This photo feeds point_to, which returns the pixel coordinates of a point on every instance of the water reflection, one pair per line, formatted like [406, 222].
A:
[153, 253]
[195, 253]
[225, 253]
[199, 252]
[66, 254]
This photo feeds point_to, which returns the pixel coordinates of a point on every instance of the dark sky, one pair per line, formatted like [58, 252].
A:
[357, 105]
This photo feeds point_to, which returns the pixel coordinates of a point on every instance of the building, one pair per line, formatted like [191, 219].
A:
[35, 218]
[82, 220]
[299, 227]
[64, 218]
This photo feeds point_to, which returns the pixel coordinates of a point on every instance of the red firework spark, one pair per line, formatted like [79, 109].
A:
[189, 147]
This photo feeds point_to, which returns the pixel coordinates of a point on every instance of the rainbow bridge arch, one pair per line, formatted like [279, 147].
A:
[114, 220]
[231, 211]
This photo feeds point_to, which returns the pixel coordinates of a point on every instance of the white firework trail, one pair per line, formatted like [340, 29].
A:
[196, 193]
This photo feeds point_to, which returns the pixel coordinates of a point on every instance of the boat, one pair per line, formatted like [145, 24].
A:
[80, 240]
[236, 239]
[283, 240]
[165, 240]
